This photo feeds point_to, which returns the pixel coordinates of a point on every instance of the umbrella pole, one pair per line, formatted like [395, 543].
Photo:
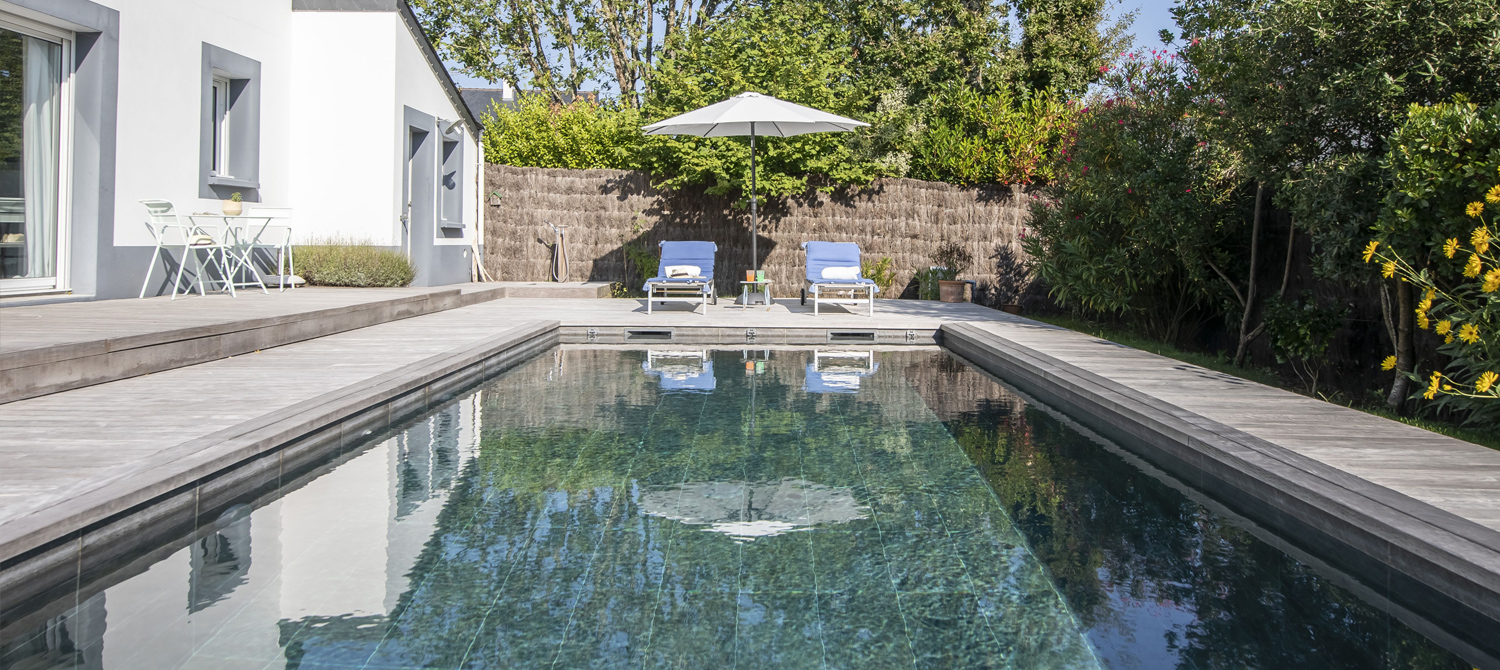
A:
[754, 224]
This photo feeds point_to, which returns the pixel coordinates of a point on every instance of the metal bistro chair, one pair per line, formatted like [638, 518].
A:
[171, 233]
[278, 236]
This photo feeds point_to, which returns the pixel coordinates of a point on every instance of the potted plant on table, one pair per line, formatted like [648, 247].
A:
[952, 260]
[234, 205]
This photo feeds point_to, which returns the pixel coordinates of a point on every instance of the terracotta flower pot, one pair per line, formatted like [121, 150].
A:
[951, 291]
[232, 208]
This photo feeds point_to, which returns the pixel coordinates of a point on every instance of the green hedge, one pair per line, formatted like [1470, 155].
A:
[339, 263]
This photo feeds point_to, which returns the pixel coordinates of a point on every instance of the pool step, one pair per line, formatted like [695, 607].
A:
[163, 335]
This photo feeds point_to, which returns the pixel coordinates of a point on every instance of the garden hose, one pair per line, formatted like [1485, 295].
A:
[559, 252]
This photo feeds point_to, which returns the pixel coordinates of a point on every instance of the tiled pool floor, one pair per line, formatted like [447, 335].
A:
[599, 507]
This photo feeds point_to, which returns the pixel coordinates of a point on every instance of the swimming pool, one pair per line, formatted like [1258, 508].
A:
[733, 508]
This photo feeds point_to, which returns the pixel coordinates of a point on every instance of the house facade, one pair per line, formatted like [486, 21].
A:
[337, 109]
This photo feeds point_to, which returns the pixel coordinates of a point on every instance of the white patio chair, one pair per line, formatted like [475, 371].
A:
[171, 232]
[278, 235]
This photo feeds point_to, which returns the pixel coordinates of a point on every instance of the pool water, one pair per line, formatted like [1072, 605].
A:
[797, 508]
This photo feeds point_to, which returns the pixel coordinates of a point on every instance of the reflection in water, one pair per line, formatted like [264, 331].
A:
[838, 371]
[681, 370]
[553, 519]
[748, 511]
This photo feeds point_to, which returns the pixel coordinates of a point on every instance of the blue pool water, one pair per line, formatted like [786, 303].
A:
[821, 509]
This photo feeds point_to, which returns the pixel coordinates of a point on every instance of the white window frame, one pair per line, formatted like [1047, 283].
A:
[220, 167]
[61, 279]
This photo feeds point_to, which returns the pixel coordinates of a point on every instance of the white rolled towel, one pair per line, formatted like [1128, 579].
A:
[850, 272]
[684, 271]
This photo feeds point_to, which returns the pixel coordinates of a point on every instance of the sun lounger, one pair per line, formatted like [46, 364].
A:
[833, 276]
[685, 274]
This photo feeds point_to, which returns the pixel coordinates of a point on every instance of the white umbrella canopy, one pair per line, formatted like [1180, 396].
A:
[753, 114]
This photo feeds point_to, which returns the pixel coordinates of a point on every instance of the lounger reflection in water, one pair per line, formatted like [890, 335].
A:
[681, 370]
[684, 274]
[838, 371]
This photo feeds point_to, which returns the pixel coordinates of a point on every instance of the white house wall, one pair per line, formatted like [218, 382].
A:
[417, 88]
[161, 56]
[345, 148]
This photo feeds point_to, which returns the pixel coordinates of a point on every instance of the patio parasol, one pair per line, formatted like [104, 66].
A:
[753, 114]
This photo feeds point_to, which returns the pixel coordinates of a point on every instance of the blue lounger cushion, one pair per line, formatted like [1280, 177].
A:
[700, 254]
[821, 255]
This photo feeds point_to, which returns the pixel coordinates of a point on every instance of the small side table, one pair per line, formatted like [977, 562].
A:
[751, 291]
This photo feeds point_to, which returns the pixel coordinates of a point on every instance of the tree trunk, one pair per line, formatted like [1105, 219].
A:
[1396, 401]
[1245, 333]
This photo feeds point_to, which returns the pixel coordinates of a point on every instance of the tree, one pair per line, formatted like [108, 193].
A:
[795, 51]
[559, 45]
[1065, 45]
[1312, 88]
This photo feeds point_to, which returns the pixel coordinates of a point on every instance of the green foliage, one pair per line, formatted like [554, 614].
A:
[791, 50]
[1436, 230]
[580, 136]
[1142, 209]
[1300, 332]
[645, 261]
[973, 138]
[236, 197]
[346, 263]
[1310, 89]
[882, 272]
[927, 281]
[953, 257]
[1062, 47]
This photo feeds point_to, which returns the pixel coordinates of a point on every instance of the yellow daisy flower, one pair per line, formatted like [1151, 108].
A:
[1493, 196]
[1480, 239]
[1468, 333]
[1432, 385]
[1485, 381]
[1448, 340]
[1491, 281]
[1471, 268]
[1370, 249]
[1389, 363]
[1450, 247]
[1388, 270]
[1474, 209]
[1422, 320]
[1443, 327]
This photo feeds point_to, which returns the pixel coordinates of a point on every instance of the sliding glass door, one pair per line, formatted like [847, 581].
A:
[31, 136]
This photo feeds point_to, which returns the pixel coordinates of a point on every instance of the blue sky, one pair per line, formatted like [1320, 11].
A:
[1151, 17]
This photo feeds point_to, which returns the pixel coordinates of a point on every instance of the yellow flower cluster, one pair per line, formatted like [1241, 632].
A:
[1389, 363]
[1474, 209]
[1491, 281]
[1443, 327]
[1485, 382]
[1493, 196]
[1388, 269]
[1423, 307]
[1480, 239]
[1468, 333]
[1432, 385]
[1450, 247]
[1472, 268]
[1370, 250]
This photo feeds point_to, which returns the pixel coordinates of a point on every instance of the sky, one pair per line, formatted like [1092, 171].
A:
[1151, 17]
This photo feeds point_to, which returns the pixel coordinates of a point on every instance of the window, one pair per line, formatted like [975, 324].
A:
[220, 165]
[451, 180]
[229, 145]
[33, 74]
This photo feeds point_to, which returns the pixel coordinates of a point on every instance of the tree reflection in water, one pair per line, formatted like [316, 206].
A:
[1136, 558]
